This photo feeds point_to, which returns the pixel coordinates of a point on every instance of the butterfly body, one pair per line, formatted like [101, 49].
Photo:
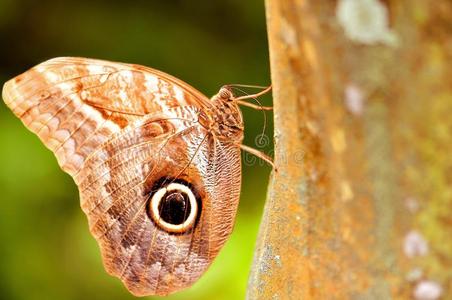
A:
[156, 162]
[227, 118]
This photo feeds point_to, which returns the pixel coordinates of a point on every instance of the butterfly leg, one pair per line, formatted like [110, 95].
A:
[258, 154]
[240, 101]
[254, 96]
[257, 107]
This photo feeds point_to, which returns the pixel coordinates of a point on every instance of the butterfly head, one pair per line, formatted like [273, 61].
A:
[225, 94]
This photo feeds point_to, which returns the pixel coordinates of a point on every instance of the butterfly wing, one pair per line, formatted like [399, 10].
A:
[124, 132]
[75, 104]
[116, 191]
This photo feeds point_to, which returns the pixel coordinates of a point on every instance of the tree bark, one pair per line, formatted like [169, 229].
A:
[360, 205]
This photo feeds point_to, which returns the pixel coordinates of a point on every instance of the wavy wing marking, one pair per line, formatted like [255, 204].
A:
[75, 104]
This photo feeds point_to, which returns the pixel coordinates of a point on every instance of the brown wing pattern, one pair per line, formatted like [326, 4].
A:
[75, 104]
[123, 132]
[115, 186]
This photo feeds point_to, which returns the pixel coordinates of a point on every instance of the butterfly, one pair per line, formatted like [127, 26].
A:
[156, 162]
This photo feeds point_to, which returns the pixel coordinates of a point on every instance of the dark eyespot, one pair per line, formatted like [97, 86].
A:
[175, 208]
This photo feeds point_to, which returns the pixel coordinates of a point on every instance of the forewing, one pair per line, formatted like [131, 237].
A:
[76, 104]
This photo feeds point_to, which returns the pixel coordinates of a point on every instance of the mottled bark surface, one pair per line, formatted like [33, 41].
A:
[361, 205]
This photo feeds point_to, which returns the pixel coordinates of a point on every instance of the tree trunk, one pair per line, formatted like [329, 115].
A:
[360, 205]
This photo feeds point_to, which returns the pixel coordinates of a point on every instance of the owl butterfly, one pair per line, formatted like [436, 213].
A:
[156, 162]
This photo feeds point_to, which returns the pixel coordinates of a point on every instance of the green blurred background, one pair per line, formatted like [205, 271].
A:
[46, 250]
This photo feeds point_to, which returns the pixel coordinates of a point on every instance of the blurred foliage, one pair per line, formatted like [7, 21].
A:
[46, 249]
